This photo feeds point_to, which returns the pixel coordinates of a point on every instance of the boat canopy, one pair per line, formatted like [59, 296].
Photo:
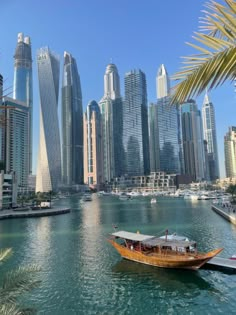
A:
[132, 236]
[157, 241]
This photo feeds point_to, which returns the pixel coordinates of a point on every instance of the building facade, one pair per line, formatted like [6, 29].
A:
[8, 190]
[162, 82]
[154, 182]
[230, 152]
[14, 140]
[135, 129]
[165, 138]
[93, 159]
[209, 133]
[193, 145]
[23, 82]
[49, 153]
[111, 107]
[72, 123]
[1, 87]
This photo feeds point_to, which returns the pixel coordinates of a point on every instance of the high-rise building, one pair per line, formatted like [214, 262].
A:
[165, 143]
[23, 84]
[49, 153]
[93, 160]
[209, 133]
[15, 136]
[1, 87]
[193, 145]
[162, 82]
[111, 107]
[135, 131]
[72, 123]
[230, 152]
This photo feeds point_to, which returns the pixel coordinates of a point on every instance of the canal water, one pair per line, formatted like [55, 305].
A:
[82, 273]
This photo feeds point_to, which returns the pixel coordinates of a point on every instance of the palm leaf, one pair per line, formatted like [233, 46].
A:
[217, 59]
[18, 282]
[5, 254]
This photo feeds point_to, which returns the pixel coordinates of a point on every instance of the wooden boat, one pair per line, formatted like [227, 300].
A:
[159, 251]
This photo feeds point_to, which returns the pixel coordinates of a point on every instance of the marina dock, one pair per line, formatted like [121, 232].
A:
[222, 263]
[12, 214]
[225, 212]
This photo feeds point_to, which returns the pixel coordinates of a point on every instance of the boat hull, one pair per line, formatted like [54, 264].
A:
[182, 261]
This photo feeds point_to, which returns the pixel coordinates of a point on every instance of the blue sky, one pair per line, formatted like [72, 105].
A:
[135, 34]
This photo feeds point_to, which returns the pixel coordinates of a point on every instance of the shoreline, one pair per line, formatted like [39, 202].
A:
[10, 214]
[231, 217]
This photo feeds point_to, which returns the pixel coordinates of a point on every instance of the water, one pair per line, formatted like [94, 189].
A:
[83, 274]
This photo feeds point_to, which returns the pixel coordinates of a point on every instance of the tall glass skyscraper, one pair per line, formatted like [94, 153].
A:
[162, 82]
[111, 107]
[230, 152]
[1, 87]
[23, 85]
[135, 133]
[49, 153]
[165, 147]
[14, 139]
[209, 132]
[93, 159]
[72, 123]
[193, 144]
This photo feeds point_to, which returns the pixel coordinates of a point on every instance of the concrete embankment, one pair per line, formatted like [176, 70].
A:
[225, 212]
[12, 214]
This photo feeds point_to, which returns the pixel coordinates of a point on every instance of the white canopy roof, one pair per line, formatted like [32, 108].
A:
[132, 236]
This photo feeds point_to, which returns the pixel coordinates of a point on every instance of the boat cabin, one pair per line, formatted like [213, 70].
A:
[151, 244]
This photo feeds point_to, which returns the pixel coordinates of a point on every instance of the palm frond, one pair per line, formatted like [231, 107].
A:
[18, 282]
[217, 59]
[5, 254]
[218, 68]
[9, 309]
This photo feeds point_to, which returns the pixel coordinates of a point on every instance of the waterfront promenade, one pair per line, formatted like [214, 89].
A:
[12, 214]
[226, 211]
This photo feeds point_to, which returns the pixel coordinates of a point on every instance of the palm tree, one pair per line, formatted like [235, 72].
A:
[216, 60]
[15, 284]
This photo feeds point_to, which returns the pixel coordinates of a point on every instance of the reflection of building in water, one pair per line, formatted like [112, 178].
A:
[91, 244]
[39, 240]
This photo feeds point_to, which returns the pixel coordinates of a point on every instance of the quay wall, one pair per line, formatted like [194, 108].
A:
[10, 214]
[225, 213]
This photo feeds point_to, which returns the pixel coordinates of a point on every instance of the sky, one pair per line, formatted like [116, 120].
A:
[130, 33]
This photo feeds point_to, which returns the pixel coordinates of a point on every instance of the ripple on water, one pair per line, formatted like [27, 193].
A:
[83, 274]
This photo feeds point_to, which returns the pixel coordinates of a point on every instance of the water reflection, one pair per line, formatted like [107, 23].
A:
[38, 241]
[168, 279]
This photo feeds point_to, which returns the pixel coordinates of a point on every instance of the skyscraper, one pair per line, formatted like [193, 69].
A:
[230, 152]
[164, 129]
[193, 145]
[162, 82]
[165, 146]
[49, 153]
[209, 133]
[23, 85]
[135, 132]
[93, 160]
[72, 123]
[15, 136]
[111, 107]
[1, 87]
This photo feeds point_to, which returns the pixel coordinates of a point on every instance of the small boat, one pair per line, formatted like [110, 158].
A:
[124, 196]
[153, 200]
[160, 252]
[87, 197]
[233, 257]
